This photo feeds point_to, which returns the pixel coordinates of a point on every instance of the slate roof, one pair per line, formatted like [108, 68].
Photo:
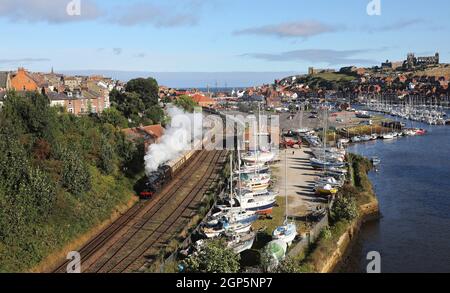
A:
[3, 78]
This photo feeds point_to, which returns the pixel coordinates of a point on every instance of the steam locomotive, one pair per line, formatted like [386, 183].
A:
[154, 182]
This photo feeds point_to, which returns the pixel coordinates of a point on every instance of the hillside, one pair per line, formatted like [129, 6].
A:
[327, 80]
[60, 175]
[441, 70]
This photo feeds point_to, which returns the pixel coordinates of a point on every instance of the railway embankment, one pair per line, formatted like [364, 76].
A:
[140, 236]
[54, 259]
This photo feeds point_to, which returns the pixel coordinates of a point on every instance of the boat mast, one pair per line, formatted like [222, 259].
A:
[239, 172]
[325, 128]
[285, 182]
[256, 146]
[231, 179]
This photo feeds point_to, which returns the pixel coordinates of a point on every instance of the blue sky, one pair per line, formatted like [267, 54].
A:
[218, 35]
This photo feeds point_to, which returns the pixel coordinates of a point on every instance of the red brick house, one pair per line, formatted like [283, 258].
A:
[23, 81]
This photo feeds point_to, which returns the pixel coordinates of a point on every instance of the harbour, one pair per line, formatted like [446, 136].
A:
[412, 234]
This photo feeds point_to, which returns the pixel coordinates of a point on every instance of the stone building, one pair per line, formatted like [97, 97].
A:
[413, 61]
[312, 70]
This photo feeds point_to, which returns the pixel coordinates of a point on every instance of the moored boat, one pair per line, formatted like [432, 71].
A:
[286, 233]
[240, 242]
[326, 189]
[388, 136]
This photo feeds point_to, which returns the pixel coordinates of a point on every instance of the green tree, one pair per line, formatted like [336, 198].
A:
[344, 209]
[75, 175]
[187, 103]
[130, 154]
[106, 162]
[215, 257]
[44, 191]
[155, 114]
[146, 88]
[114, 117]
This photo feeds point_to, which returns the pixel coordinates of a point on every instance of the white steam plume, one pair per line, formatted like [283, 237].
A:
[185, 129]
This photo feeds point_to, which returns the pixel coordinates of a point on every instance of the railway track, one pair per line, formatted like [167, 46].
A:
[123, 246]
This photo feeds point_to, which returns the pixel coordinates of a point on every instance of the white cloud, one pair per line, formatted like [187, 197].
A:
[146, 13]
[23, 61]
[331, 57]
[302, 29]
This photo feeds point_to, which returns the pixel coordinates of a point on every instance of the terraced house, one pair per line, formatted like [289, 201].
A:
[78, 95]
[87, 99]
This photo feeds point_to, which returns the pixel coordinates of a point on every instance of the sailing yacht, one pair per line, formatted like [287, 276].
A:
[288, 231]
[258, 157]
[248, 169]
[234, 220]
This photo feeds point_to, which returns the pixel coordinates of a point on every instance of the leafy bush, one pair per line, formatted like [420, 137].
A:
[344, 208]
[186, 103]
[75, 176]
[214, 257]
[290, 266]
[106, 162]
[326, 233]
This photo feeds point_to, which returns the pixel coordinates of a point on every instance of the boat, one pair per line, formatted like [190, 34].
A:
[249, 169]
[366, 138]
[340, 171]
[254, 178]
[258, 157]
[375, 161]
[301, 130]
[256, 186]
[326, 189]
[329, 180]
[327, 150]
[261, 204]
[409, 132]
[234, 219]
[322, 164]
[388, 136]
[421, 131]
[276, 250]
[344, 141]
[374, 136]
[233, 214]
[355, 139]
[225, 227]
[286, 233]
[240, 242]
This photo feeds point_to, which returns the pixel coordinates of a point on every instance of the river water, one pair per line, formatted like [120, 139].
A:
[413, 188]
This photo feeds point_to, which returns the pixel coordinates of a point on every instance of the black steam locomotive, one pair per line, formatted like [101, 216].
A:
[154, 182]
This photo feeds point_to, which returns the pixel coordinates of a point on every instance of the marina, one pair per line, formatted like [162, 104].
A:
[414, 199]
